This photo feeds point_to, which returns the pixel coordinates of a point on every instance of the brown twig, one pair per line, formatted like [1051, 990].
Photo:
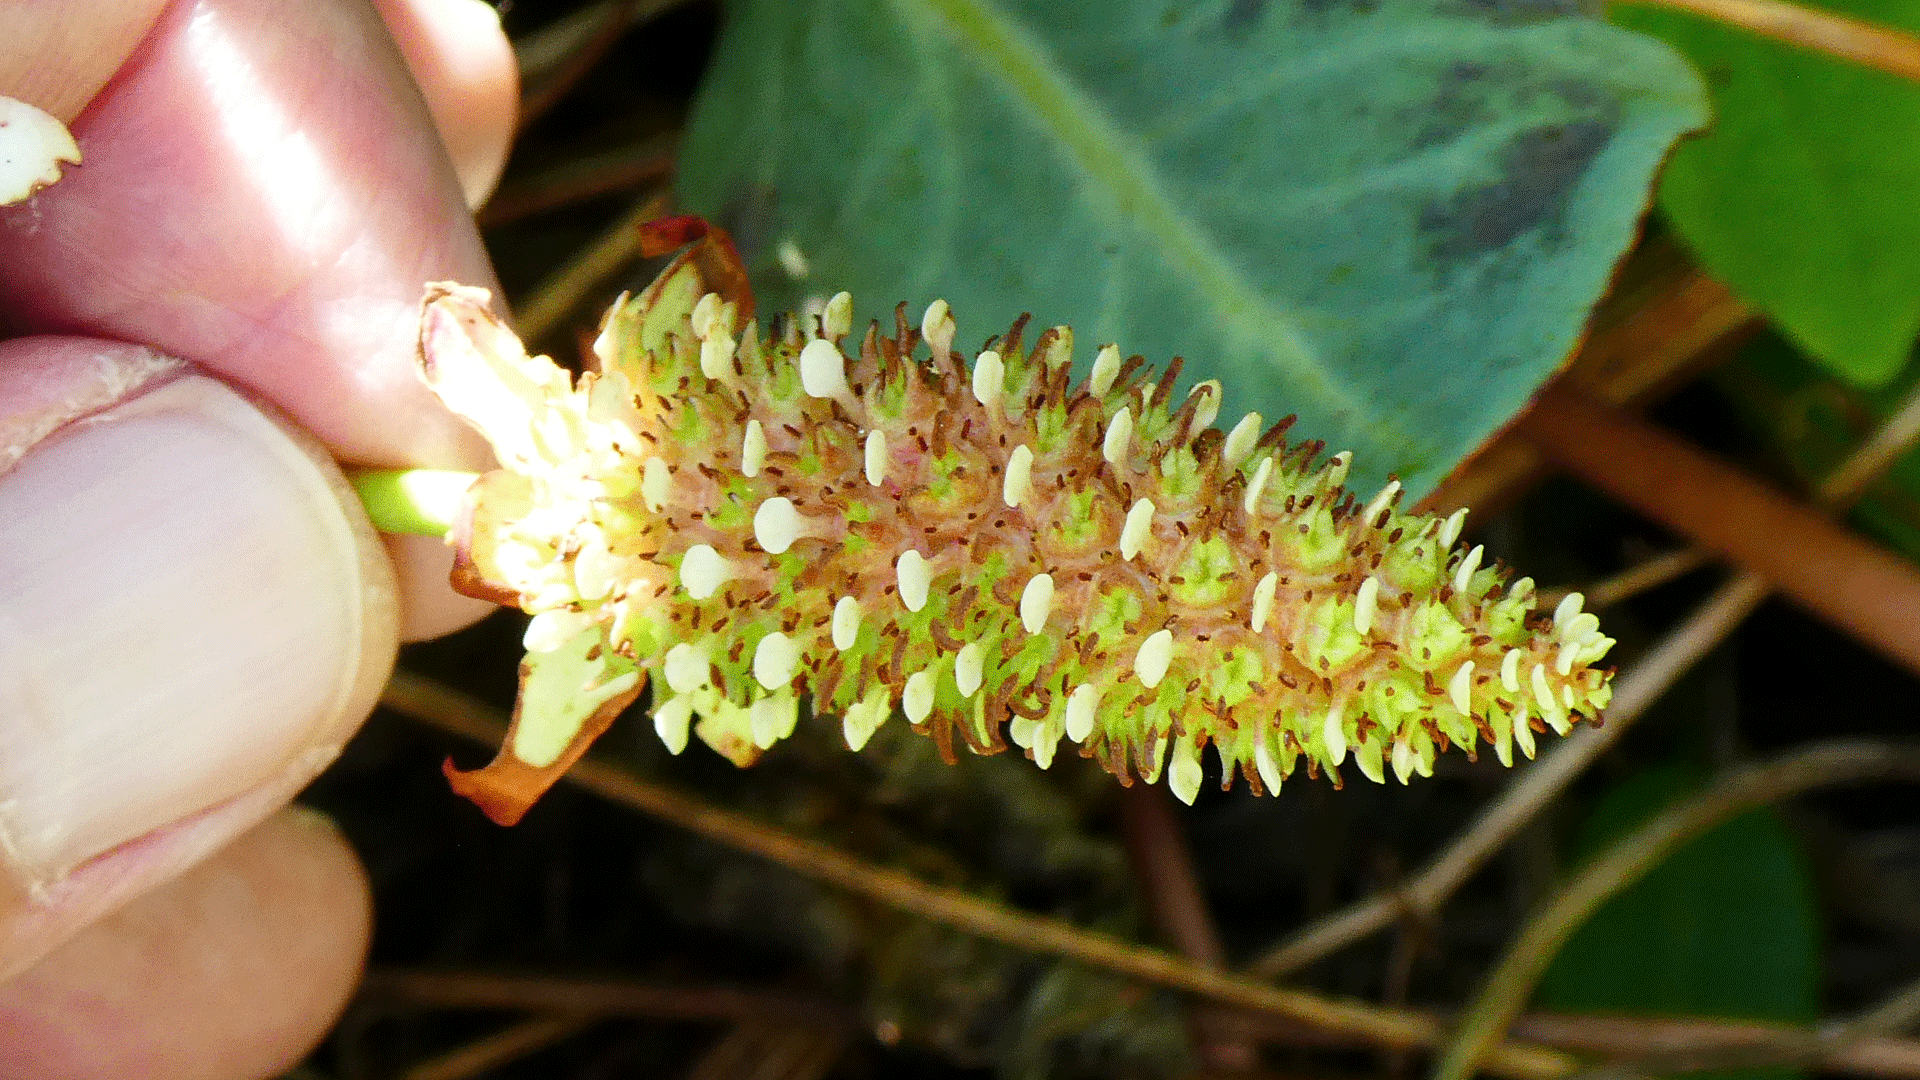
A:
[509, 1044]
[451, 711]
[567, 288]
[1163, 865]
[1861, 588]
[1508, 986]
[1648, 574]
[1899, 1012]
[1878, 47]
[1878, 1056]
[760, 1051]
[648, 161]
[1861, 1042]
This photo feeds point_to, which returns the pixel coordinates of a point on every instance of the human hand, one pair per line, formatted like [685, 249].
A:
[194, 614]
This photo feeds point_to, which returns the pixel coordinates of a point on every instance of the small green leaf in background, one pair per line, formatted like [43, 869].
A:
[1801, 195]
[1388, 216]
[1726, 927]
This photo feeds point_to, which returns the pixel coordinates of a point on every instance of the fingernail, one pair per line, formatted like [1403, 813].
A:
[189, 609]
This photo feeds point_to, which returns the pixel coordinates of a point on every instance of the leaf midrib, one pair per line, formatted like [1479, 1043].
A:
[1008, 54]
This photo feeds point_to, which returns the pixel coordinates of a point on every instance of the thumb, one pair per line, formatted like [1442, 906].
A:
[194, 621]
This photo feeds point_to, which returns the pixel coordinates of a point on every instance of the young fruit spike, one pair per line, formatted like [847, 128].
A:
[971, 540]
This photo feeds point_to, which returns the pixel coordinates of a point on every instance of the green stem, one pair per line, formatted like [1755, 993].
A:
[412, 502]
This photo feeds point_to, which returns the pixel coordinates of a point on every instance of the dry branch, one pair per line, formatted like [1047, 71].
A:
[1878, 47]
[451, 711]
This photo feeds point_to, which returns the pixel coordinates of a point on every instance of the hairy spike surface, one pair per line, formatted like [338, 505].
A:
[998, 555]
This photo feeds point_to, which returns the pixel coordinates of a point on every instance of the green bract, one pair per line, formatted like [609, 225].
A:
[979, 542]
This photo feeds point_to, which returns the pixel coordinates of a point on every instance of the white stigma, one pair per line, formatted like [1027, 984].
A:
[750, 338]
[1337, 468]
[703, 570]
[776, 714]
[1056, 349]
[1046, 742]
[969, 668]
[876, 463]
[837, 318]
[1568, 610]
[1119, 434]
[1206, 403]
[1183, 770]
[670, 721]
[1582, 627]
[605, 343]
[1269, 768]
[1380, 502]
[716, 355]
[549, 630]
[1081, 706]
[1151, 663]
[1021, 730]
[686, 668]
[846, 623]
[1510, 672]
[1036, 603]
[1463, 574]
[774, 660]
[1368, 758]
[753, 450]
[1543, 695]
[1257, 486]
[1523, 732]
[595, 569]
[989, 379]
[656, 483]
[704, 312]
[1365, 600]
[1134, 533]
[913, 577]
[1460, 689]
[1106, 366]
[1263, 601]
[1402, 761]
[1563, 663]
[937, 326]
[776, 525]
[823, 371]
[1240, 441]
[1334, 734]
[916, 700]
[1558, 719]
[1018, 483]
[865, 716]
[763, 721]
[1450, 530]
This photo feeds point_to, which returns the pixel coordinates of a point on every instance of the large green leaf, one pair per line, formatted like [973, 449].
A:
[1805, 196]
[1389, 216]
[1726, 926]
